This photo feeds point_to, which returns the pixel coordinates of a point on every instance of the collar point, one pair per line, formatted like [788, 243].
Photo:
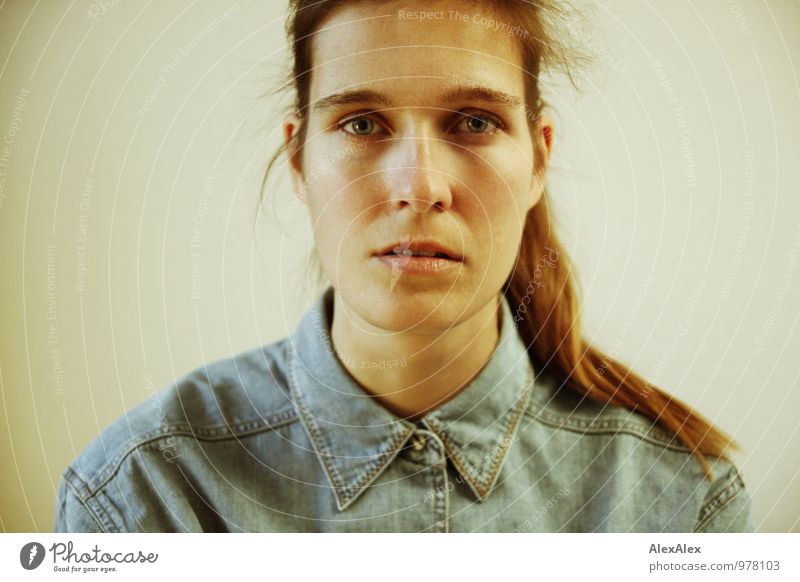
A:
[344, 498]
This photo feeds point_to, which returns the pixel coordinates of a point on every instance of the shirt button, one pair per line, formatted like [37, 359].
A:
[417, 442]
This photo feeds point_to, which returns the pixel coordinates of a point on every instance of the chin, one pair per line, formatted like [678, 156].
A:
[404, 308]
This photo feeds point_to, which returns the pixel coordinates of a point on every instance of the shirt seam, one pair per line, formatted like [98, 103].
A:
[208, 433]
[354, 489]
[716, 511]
[345, 491]
[103, 511]
[712, 507]
[646, 432]
[319, 444]
[482, 480]
[82, 503]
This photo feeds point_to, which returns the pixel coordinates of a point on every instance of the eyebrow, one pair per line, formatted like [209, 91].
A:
[461, 93]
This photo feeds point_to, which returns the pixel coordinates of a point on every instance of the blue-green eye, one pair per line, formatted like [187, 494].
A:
[361, 125]
[480, 123]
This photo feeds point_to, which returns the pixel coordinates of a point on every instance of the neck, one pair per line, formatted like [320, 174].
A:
[424, 370]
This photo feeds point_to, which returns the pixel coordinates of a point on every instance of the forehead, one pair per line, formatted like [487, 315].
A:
[413, 47]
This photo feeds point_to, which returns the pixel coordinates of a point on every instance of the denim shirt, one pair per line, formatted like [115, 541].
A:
[282, 439]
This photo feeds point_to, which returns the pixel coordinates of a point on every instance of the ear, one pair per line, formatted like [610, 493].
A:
[291, 127]
[543, 145]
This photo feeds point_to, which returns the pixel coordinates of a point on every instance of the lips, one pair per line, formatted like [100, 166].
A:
[424, 248]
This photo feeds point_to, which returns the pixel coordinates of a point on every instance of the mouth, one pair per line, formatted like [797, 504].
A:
[428, 249]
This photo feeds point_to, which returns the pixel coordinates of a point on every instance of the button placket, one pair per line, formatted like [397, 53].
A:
[440, 481]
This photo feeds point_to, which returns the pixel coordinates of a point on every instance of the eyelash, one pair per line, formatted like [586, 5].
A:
[491, 119]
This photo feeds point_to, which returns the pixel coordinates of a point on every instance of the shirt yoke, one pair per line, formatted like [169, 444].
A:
[225, 399]
[248, 394]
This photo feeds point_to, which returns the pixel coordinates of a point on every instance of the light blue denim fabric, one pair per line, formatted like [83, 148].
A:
[282, 438]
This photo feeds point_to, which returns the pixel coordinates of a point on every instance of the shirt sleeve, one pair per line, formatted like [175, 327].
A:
[727, 506]
[72, 514]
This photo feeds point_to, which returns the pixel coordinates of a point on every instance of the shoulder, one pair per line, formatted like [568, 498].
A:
[224, 399]
[613, 444]
[556, 405]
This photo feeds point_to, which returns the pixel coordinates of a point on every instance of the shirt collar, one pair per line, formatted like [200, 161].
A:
[355, 437]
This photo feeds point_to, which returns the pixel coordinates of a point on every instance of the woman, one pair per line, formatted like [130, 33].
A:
[441, 382]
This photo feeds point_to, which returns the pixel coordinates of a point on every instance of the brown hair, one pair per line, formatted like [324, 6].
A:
[549, 322]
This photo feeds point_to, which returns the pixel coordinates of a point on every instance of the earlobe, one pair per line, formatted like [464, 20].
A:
[537, 190]
[299, 187]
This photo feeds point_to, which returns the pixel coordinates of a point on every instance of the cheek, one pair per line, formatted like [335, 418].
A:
[497, 221]
[499, 208]
[335, 224]
[505, 232]
[331, 183]
[339, 219]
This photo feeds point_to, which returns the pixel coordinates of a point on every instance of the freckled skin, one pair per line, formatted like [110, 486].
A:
[419, 169]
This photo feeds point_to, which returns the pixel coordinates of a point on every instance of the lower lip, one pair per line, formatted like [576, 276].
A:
[418, 265]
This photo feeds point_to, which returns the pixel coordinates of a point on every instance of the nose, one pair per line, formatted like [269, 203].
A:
[417, 177]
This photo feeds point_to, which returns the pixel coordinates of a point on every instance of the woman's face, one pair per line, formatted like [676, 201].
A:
[417, 131]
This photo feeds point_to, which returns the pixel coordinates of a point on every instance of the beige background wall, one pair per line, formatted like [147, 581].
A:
[133, 137]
